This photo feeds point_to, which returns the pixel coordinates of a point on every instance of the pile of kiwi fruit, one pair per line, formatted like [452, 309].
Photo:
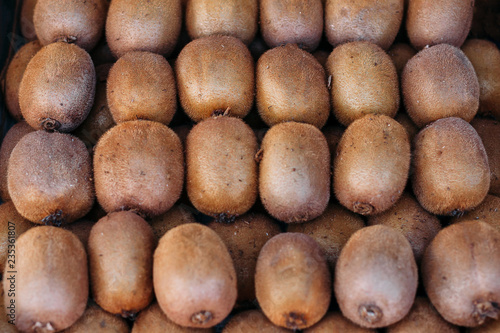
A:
[251, 166]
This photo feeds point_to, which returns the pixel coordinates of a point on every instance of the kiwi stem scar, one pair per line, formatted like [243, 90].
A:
[202, 317]
[370, 313]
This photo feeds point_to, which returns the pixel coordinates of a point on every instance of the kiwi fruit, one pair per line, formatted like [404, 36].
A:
[422, 318]
[12, 137]
[49, 178]
[251, 321]
[152, 26]
[244, 239]
[372, 164]
[291, 85]
[292, 281]
[177, 215]
[76, 22]
[450, 21]
[215, 75]
[404, 119]
[95, 319]
[488, 211]
[450, 167]
[294, 172]
[363, 81]
[291, 21]
[58, 86]
[400, 53]
[460, 272]
[439, 82]
[199, 292]
[334, 322]
[361, 20]
[14, 75]
[237, 18]
[81, 229]
[26, 23]
[221, 171]
[138, 165]
[49, 284]
[141, 85]
[376, 277]
[333, 134]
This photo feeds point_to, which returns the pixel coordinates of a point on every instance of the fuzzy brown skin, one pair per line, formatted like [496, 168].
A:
[488, 211]
[404, 119]
[372, 164]
[152, 26]
[294, 175]
[177, 215]
[333, 134]
[490, 326]
[138, 165]
[450, 167]
[292, 281]
[221, 175]
[214, 74]
[51, 280]
[489, 132]
[252, 321]
[237, 18]
[439, 82]
[460, 272]
[291, 85]
[331, 230]
[141, 85]
[199, 292]
[244, 239]
[58, 87]
[291, 21]
[431, 22]
[14, 134]
[81, 229]
[423, 318]
[49, 178]
[363, 80]
[334, 322]
[120, 249]
[485, 57]
[363, 20]
[70, 21]
[400, 53]
[95, 319]
[376, 277]
[14, 75]
[26, 23]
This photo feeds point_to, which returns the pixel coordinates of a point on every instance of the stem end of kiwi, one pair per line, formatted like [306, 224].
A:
[201, 318]
[370, 313]
[50, 124]
[42, 327]
[486, 309]
[131, 315]
[363, 208]
[295, 320]
[54, 219]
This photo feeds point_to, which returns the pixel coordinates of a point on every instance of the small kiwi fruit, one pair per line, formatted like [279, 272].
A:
[404, 119]
[95, 319]
[333, 134]
[335, 322]
[177, 215]
[400, 53]
[26, 22]
[488, 211]
[81, 229]
[251, 321]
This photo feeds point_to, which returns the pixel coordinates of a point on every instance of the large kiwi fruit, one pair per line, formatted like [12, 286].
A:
[95, 319]
[488, 211]
[450, 167]
[460, 271]
[335, 322]
[251, 321]
[58, 86]
[194, 276]
[49, 178]
[376, 277]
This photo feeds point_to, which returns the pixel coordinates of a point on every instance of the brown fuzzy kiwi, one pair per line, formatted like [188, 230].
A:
[292, 281]
[244, 239]
[201, 291]
[138, 165]
[404, 119]
[294, 176]
[450, 21]
[14, 134]
[450, 167]
[78, 22]
[26, 23]
[215, 75]
[460, 271]
[49, 178]
[291, 85]
[362, 20]
[252, 321]
[335, 322]
[95, 319]
[489, 132]
[333, 134]
[423, 318]
[58, 86]
[177, 215]
[488, 211]
[372, 164]
[485, 57]
[14, 75]
[439, 82]
[81, 229]
[237, 18]
[400, 53]
[120, 249]
[49, 286]
[363, 80]
[221, 174]
[141, 85]
[376, 277]
[152, 26]
[292, 21]
[331, 230]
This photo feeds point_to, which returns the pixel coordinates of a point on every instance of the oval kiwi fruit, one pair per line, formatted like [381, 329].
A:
[95, 319]
[400, 53]
[177, 215]
[49, 178]
[251, 321]
[199, 292]
[488, 211]
[26, 22]
[291, 85]
[335, 322]
[376, 277]
[460, 271]
[81, 229]
[450, 167]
